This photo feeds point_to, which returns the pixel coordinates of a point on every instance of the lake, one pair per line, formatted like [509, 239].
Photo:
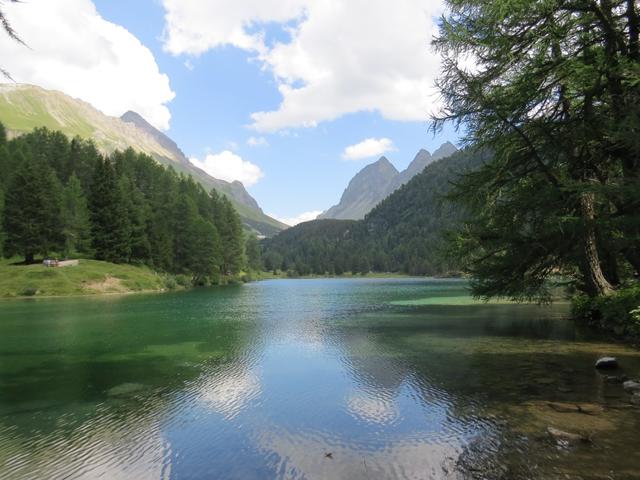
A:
[313, 379]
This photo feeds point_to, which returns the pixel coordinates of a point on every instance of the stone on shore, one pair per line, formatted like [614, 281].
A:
[607, 363]
[631, 386]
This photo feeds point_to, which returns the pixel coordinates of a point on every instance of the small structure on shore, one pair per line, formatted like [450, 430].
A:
[54, 262]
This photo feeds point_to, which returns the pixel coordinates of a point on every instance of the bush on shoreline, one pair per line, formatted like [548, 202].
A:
[618, 313]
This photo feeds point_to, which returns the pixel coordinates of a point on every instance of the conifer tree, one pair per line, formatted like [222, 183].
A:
[5, 165]
[552, 90]
[1, 221]
[185, 252]
[32, 210]
[207, 253]
[232, 239]
[137, 215]
[110, 228]
[76, 226]
[252, 248]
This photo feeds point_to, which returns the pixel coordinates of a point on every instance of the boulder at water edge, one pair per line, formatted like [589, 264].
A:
[606, 363]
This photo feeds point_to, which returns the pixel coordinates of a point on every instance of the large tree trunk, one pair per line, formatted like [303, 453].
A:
[595, 281]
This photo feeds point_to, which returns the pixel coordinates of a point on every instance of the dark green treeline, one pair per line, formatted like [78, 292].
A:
[405, 233]
[62, 197]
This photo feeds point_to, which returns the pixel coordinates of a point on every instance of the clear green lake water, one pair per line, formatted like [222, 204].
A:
[308, 379]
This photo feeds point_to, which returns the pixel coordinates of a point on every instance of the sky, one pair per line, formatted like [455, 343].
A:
[291, 97]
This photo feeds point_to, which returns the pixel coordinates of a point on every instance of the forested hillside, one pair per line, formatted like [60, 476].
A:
[64, 198]
[25, 107]
[404, 233]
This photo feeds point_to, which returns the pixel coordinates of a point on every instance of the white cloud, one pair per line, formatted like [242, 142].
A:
[370, 147]
[343, 56]
[303, 217]
[228, 166]
[257, 142]
[74, 50]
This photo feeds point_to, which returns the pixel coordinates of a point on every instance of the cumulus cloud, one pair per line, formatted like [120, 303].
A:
[74, 50]
[293, 221]
[341, 56]
[370, 147]
[257, 142]
[228, 166]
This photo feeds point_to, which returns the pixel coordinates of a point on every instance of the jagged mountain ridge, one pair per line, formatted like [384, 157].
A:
[377, 181]
[235, 189]
[25, 107]
[363, 191]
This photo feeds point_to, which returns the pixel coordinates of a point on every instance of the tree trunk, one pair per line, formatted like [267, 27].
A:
[595, 280]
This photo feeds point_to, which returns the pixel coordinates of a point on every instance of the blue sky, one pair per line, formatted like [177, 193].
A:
[225, 61]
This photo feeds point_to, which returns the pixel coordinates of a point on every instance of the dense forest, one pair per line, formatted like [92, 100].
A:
[405, 233]
[61, 197]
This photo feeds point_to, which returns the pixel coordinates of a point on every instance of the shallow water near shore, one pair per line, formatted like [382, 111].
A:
[324, 378]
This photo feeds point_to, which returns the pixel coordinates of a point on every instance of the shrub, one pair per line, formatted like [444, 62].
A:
[619, 312]
[184, 281]
[170, 283]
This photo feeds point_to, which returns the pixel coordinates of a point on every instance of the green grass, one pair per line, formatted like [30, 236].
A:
[90, 277]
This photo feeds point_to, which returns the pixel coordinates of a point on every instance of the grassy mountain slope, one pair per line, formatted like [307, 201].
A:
[25, 107]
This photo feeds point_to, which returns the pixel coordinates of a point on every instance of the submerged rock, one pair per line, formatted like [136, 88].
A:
[545, 381]
[586, 408]
[615, 378]
[590, 408]
[606, 363]
[125, 389]
[564, 407]
[631, 386]
[635, 399]
[566, 437]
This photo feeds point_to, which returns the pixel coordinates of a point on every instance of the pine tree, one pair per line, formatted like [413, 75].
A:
[5, 165]
[110, 228]
[76, 226]
[32, 210]
[138, 215]
[252, 248]
[185, 217]
[232, 239]
[1, 222]
[205, 265]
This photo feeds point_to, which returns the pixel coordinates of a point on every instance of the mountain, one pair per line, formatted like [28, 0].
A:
[362, 194]
[234, 190]
[372, 185]
[25, 107]
[404, 233]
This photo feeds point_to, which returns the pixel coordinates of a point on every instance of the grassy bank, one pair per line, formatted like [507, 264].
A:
[89, 277]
